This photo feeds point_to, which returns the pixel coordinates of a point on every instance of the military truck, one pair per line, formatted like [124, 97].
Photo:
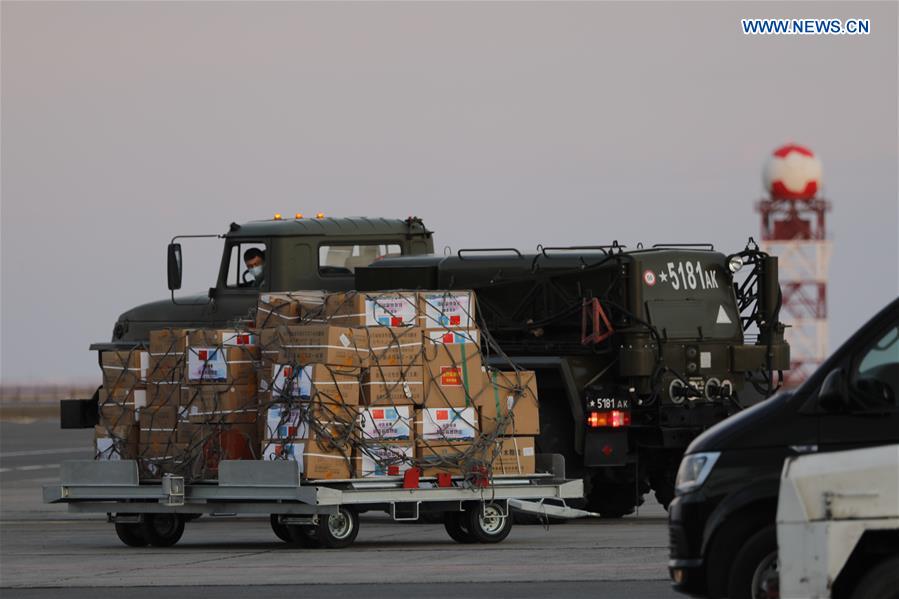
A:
[637, 351]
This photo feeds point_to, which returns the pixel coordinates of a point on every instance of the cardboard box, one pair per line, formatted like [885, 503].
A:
[385, 459]
[124, 370]
[352, 308]
[316, 382]
[222, 403]
[512, 397]
[166, 367]
[386, 424]
[121, 411]
[446, 424]
[168, 342]
[514, 455]
[227, 441]
[116, 443]
[315, 460]
[313, 344]
[436, 457]
[393, 386]
[391, 346]
[164, 393]
[219, 364]
[307, 420]
[158, 418]
[453, 374]
[291, 308]
[446, 309]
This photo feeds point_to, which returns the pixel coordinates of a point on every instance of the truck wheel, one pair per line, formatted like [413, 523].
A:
[488, 523]
[336, 531]
[454, 523]
[162, 530]
[303, 535]
[613, 500]
[880, 582]
[280, 529]
[131, 534]
[754, 573]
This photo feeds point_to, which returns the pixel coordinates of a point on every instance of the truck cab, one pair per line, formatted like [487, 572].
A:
[722, 522]
[297, 253]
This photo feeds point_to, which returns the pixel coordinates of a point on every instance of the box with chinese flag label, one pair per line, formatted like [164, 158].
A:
[446, 424]
[385, 459]
[446, 309]
[319, 382]
[222, 356]
[386, 424]
[510, 399]
[453, 374]
[304, 420]
[391, 309]
[393, 386]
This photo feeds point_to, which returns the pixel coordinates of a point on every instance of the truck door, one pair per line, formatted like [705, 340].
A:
[873, 386]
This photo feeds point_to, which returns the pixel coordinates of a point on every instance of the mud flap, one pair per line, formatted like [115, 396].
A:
[80, 413]
[606, 447]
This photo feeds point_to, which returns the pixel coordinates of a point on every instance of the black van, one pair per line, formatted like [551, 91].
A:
[722, 522]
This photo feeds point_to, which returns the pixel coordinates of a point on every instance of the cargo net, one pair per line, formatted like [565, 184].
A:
[346, 385]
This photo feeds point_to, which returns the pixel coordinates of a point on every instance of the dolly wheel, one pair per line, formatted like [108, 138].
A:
[454, 523]
[131, 534]
[336, 531]
[488, 522]
[280, 529]
[302, 535]
[162, 530]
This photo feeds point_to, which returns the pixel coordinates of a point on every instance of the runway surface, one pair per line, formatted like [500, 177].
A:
[44, 548]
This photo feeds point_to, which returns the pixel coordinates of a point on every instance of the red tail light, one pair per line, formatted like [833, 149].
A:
[609, 419]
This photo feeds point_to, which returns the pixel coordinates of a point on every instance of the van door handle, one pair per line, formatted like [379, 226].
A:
[803, 448]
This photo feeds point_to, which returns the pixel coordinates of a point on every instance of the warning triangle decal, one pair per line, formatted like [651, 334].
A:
[723, 318]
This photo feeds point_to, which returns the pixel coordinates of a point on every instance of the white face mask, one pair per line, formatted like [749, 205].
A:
[256, 272]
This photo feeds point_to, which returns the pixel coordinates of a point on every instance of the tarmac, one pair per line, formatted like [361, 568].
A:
[44, 548]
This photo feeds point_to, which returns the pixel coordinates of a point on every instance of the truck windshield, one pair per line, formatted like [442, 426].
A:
[337, 260]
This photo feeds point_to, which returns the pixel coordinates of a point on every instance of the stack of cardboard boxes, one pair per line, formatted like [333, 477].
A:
[122, 398]
[348, 385]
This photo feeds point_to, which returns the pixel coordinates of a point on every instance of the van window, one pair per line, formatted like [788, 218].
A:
[247, 266]
[342, 260]
[877, 378]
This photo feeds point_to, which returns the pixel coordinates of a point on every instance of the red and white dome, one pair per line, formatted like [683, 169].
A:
[792, 172]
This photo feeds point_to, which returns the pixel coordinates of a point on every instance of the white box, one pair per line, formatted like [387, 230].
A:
[386, 423]
[448, 424]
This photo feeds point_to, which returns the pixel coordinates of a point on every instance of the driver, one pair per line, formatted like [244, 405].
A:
[254, 258]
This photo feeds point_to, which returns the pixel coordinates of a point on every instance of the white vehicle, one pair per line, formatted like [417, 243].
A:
[838, 525]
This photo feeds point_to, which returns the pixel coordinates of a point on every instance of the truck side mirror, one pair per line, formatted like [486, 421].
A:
[833, 395]
[174, 266]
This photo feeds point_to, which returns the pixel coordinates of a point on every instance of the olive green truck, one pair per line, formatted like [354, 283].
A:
[637, 351]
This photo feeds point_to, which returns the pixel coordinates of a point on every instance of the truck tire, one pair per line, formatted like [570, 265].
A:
[454, 523]
[613, 500]
[488, 523]
[162, 530]
[131, 534]
[880, 582]
[754, 571]
[303, 535]
[336, 531]
[280, 529]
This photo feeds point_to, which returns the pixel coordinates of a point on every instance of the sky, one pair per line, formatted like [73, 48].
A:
[500, 124]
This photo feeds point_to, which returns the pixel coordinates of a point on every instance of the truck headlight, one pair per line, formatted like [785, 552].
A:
[693, 470]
